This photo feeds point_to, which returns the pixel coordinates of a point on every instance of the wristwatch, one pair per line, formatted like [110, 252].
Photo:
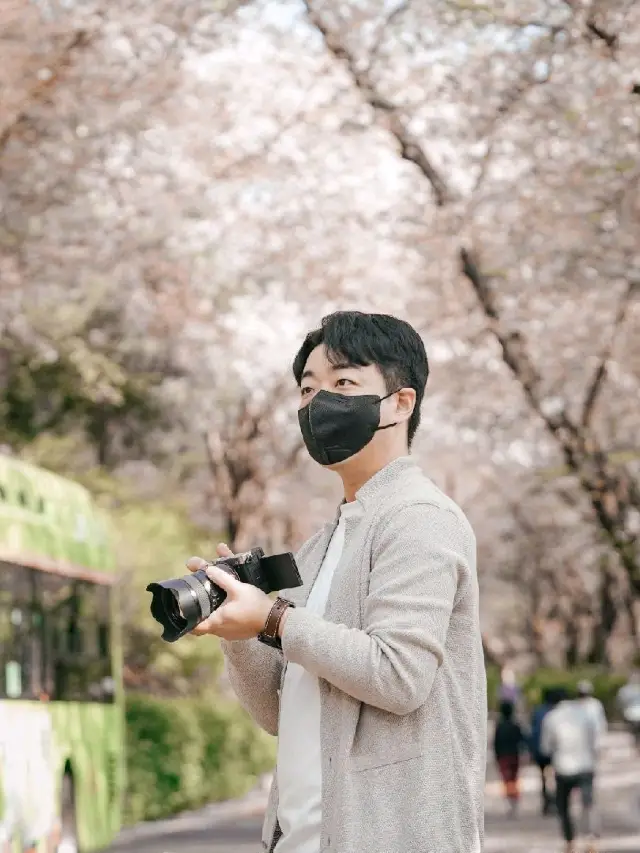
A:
[269, 634]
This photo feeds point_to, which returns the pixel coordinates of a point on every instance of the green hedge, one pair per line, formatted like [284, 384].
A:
[183, 754]
[605, 684]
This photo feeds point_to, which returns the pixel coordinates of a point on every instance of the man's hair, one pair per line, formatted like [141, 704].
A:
[390, 344]
[506, 709]
[557, 695]
[547, 695]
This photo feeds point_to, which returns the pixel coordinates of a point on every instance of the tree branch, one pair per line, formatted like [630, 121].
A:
[79, 39]
[382, 26]
[598, 380]
[613, 494]
[386, 113]
[594, 30]
[514, 352]
[598, 32]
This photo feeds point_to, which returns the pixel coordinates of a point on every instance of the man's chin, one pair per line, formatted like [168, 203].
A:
[344, 464]
[337, 466]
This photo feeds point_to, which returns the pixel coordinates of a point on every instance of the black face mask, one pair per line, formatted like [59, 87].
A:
[337, 426]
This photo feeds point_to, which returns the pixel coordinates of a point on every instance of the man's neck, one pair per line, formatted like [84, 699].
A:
[354, 480]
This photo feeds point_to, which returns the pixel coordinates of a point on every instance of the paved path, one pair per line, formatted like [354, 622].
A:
[235, 827]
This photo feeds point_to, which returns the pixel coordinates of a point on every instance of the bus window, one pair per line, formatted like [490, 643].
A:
[54, 637]
[20, 645]
[76, 614]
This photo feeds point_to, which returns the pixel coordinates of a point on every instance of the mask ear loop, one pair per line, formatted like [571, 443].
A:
[386, 397]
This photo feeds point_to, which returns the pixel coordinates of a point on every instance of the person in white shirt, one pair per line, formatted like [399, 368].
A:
[593, 707]
[628, 701]
[570, 739]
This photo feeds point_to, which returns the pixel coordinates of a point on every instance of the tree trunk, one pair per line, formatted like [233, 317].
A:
[607, 616]
[613, 494]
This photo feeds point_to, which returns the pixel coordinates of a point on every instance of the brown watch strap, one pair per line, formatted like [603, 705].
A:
[269, 633]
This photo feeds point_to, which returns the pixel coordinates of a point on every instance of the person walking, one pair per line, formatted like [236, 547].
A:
[508, 690]
[570, 739]
[628, 701]
[543, 762]
[509, 742]
[593, 707]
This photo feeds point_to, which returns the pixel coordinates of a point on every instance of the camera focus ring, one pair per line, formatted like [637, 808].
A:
[198, 587]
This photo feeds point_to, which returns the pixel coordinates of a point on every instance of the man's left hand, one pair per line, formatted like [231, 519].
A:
[244, 612]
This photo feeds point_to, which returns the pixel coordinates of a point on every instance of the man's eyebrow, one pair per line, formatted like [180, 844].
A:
[341, 365]
[345, 365]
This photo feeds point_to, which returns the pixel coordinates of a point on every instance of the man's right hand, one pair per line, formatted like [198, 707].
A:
[194, 564]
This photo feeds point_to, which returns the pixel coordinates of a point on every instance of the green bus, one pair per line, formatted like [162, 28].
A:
[61, 700]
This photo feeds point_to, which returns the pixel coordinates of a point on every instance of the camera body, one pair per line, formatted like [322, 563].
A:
[180, 604]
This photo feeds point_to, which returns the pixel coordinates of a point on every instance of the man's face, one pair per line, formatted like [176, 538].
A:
[319, 374]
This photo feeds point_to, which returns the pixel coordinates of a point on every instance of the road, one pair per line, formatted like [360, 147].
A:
[235, 828]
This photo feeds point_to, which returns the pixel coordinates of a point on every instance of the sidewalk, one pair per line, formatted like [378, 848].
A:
[252, 805]
[530, 833]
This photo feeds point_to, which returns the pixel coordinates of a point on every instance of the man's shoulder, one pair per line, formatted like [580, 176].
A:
[424, 500]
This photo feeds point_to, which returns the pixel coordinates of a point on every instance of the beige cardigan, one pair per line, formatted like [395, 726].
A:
[401, 670]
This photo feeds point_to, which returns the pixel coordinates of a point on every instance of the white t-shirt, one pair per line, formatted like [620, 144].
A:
[299, 767]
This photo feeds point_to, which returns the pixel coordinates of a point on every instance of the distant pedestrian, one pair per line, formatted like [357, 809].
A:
[629, 705]
[593, 706]
[509, 690]
[509, 743]
[542, 761]
[570, 739]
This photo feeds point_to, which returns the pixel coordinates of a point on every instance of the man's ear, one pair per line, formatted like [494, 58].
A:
[406, 402]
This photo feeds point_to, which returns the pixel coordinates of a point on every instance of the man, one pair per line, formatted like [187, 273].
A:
[378, 691]
[570, 739]
[543, 762]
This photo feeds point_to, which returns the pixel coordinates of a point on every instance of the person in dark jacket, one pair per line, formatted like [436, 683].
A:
[509, 742]
[543, 761]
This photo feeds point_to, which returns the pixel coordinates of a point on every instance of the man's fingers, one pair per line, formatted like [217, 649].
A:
[196, 563]
[224, 550]
[210, 625]
[223, 579]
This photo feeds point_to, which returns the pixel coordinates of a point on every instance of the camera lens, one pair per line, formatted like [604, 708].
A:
[171, 608]
[182, 603]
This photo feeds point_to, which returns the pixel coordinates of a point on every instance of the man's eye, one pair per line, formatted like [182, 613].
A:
[305, 390]
[344, 381]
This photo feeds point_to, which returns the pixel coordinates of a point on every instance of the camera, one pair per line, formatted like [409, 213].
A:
[181, 604]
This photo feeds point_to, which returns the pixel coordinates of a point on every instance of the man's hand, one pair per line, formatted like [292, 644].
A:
[245, 610]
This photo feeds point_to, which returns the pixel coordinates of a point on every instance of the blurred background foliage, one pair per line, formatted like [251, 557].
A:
[188, 752]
